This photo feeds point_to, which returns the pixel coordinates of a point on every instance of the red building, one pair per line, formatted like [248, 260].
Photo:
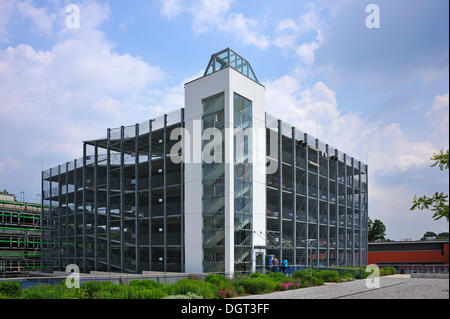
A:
[408, 253]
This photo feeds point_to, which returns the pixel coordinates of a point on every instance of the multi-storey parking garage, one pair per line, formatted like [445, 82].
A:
[128, 206]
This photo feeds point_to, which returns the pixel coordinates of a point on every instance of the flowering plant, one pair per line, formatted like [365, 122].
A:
[225, 293]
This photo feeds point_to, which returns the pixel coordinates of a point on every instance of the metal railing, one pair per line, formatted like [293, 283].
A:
[418, 268]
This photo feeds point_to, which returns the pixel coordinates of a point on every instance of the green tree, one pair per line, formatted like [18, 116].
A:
[428, 235]
[438, 203]
[376, 230]
[442, 236]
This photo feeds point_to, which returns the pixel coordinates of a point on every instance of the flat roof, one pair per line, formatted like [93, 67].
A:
[410, 242]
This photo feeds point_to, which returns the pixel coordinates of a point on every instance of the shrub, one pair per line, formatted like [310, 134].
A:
[328, 275]
[387, 271]
[147, 284]
[258, 285]
[306, 274]
[149, 294]
[278, 276]
[238, 290]
[10, 288]
[217, 280]
[57, 291]
[308, 277]
[225, 293]
[91, 288]
[290, 285]
[259, 275]
[201, 288]
[347, 276]
[189, 295]
[361, 273]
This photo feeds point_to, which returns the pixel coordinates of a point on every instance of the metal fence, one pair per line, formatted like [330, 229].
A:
[26, 282]
[409, 269]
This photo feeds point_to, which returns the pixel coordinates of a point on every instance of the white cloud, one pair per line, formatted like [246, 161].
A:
[291, 35]
[171, 8]
[208, 15]
[215, 15]
[6, 9]
[40, 18]
[244, 29]
[387, 149]
[8, 163]
[306, 51]
[398, 165]
[73, 91]
[391, 203]
[171, 98]
[439, 117]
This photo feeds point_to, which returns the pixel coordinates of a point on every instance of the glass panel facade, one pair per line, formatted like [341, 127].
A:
[228, 57]
[329, 224]
[213, 111]
[120, 207]
[243, 228]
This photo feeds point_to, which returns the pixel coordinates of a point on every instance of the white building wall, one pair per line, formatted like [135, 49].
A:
[195, 92]
[255, 92]
[227, 81]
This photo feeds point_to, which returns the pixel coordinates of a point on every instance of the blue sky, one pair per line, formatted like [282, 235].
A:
[380, 95]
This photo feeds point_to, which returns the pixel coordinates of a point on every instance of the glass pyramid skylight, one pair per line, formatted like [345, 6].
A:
[226, 58]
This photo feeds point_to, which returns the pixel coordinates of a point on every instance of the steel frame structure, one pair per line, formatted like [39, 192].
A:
[108, 214]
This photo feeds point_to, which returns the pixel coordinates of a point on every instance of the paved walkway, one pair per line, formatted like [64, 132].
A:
[391, 287]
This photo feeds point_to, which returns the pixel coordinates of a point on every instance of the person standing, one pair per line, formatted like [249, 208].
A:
[275, 261]
[285, 266]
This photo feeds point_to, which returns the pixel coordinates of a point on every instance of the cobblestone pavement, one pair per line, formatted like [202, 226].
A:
[391, 287]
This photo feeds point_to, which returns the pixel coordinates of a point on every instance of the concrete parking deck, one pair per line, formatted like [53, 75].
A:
[391, 287]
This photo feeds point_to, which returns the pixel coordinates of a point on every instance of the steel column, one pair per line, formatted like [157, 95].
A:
[280, 189]
[307, 198]
[336, 153]
[353, 213]
[328, 205]
[150, 194]
[294, 199]
[318, 204]
[43, 221]
[182, 196]
[136, 196]
[122, 208]
[108, 201]
[67, 213]
[165, 189]
[84, 207]
[345, 210]
[366, 208]
[59, 208]
[95, 205]
[75, 226]
[360, 215]
[58, 219]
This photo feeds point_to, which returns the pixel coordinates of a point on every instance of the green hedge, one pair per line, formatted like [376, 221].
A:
[213, 286]
[328, 275]
[10, 288]
[198, 287]
[258, 285]
[387, 271]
